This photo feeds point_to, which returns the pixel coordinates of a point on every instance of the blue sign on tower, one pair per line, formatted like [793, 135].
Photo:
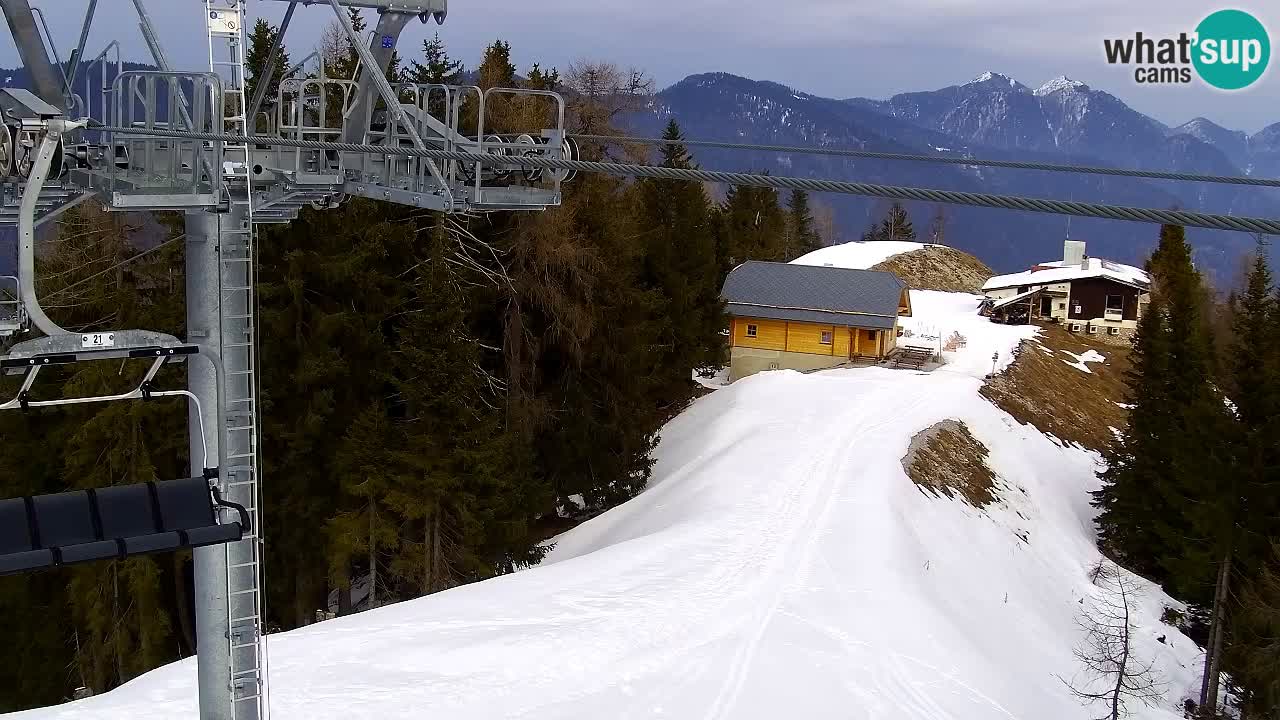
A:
[388, 42]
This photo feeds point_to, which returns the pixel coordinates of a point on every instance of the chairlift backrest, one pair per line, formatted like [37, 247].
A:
[115, 522]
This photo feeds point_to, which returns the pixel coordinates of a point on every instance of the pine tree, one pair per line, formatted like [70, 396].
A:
[1171, 493]
[802, 238]
[677, 226]
[256, 61]
[496, 69]
[1254, 386]
[468, 515]
[896, 224]
[539, 79]
[754, 225]
[437, 68]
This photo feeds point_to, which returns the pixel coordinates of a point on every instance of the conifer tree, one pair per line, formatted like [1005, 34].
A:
[467, 514]
[1254, 387]
[1171, 494]
[539, 79]
[754, 225]
[802, 238]
[1132, 510]
[496, 69]
[1256, 657]
[256, 61]
[437, 68]
[896, 224]
[680, 262]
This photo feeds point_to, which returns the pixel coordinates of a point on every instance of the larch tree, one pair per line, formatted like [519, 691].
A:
[1113, 674]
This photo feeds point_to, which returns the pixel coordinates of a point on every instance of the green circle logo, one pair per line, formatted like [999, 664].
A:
[1232, 49]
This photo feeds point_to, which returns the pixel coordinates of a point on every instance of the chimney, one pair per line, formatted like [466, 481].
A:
[1072, 252]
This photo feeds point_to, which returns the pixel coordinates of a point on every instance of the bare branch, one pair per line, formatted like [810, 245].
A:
[1112, 674]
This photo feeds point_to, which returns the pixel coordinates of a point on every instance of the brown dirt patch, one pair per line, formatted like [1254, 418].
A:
[1041, 389]
[938, 267]
[947, 459]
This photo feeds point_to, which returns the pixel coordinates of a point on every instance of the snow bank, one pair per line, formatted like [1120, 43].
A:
[781, 564]
[857, 255]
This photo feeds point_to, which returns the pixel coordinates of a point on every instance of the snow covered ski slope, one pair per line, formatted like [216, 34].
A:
[781, 564]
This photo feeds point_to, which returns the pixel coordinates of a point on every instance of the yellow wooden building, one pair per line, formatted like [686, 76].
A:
[804, 317]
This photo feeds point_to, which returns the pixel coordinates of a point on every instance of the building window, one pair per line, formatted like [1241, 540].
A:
[826, 338]
[1115, 303]
[871, 335]
[751, 331]
[1062, 306]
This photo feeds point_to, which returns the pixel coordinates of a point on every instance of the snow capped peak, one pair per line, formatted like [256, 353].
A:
[994, 76]
[1200, 122]
[1062, 82]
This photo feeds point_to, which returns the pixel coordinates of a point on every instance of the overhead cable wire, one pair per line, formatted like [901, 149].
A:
[944, 159]
[1006, 202]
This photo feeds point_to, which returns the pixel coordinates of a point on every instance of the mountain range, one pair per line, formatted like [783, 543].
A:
[992, 116]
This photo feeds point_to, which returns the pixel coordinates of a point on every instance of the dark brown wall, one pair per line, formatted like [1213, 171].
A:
[1091, 294]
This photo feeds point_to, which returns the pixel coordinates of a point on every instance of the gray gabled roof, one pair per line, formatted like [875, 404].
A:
[813, 293]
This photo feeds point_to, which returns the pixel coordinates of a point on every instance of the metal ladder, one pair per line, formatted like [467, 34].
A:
[237, 253]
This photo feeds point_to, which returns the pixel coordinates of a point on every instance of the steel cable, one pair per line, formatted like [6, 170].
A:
[944, 159]
[955, 197]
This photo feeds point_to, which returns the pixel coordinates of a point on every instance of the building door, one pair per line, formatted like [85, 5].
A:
[1046, 306]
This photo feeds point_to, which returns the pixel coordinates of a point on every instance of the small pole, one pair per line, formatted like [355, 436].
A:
[995, 360]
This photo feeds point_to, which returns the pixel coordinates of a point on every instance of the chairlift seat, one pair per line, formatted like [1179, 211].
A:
[114, 522]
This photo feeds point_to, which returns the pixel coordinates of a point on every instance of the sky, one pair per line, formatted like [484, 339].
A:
[833, 48]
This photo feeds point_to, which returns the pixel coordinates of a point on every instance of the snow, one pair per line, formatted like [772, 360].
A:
[780, 564]
[937, 316]
[719, 380]
[988, 76]
[1081, 361]
[857, 255]
[1056, 272]
[1062, 82]
[1015, 299]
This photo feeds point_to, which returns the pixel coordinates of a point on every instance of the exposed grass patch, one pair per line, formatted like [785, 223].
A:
[937, 267]
[1040, 389]
[947, 459]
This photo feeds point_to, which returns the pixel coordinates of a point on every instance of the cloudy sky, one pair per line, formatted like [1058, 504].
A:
[836, 48]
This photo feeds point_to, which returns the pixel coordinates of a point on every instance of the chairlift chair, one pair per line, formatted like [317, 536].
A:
[113, 522]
